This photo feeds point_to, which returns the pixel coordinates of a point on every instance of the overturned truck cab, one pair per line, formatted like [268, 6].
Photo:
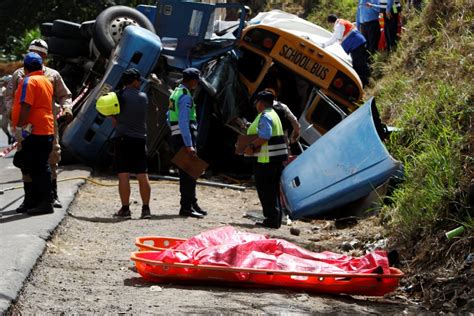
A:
[237, 57]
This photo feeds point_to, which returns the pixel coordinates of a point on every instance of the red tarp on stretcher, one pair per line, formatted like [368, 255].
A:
[226, 247]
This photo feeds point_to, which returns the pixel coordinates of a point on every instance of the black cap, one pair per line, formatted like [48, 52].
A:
[191, 74]
[332, 18]
[265, 96]
[131, 73]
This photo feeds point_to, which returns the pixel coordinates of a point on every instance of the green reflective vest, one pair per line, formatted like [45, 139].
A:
[275, 149]
[174, 111]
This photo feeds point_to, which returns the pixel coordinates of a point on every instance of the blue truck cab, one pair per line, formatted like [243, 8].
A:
[185, 34]
[89, 133]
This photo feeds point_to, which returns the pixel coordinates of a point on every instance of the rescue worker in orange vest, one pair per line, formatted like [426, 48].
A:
[353, 43]
[33, 123]
[268, 150]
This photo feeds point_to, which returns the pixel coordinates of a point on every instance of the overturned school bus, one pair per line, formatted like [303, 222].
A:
[237, 58]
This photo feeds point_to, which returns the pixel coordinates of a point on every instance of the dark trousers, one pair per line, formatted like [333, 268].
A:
[360, 63]
[390, 30]
[187, 184]
[35, 152]
[371, 32]
[267, 181]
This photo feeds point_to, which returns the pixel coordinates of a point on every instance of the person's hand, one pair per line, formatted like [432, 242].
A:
[18, 137]
[190, 151]
[294, 135]
[368, 4]
[67, 115]
[249, 149]
[388, 15]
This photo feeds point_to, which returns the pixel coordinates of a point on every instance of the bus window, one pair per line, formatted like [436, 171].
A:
[324, 116]
[250, 65]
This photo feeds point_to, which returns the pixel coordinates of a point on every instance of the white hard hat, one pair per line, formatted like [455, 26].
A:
[38, 45]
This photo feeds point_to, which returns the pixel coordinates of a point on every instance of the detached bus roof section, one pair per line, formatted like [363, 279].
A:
[303, 28]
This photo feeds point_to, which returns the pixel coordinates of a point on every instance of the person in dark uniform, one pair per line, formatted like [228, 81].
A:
[183, 125]
[268, 150]
[130, 139]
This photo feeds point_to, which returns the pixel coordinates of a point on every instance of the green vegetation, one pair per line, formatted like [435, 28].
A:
[426, 89]
[17, 46]
[346, 9]
[19, 18]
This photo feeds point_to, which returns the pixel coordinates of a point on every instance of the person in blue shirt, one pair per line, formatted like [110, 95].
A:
[268, 150]
[367, 21]
[183, 124]
[391, 10]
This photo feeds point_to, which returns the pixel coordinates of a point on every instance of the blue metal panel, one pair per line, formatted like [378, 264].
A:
[182, 26]
[342, 166]
[87, 136]
[148, 10]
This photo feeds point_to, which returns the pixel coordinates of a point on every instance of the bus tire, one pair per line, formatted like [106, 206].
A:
[66, 29]
[68, 47]
[110, 24]
[46, 29]
[87, 29]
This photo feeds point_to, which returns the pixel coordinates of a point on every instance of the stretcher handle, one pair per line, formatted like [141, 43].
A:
[397, 274]
[159, 242]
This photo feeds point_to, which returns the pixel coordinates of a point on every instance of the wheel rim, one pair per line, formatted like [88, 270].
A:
[118, 25]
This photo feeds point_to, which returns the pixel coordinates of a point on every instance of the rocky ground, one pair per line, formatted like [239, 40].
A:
[86, 267]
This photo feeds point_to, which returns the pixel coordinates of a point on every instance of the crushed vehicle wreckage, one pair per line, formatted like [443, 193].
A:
[237, 58]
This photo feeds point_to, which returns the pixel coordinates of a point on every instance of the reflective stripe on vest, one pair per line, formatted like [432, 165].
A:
[348, 28]
[396, 5]
[275, 149]
[175, 130]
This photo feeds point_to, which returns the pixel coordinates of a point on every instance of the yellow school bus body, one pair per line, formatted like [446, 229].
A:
[322, 69]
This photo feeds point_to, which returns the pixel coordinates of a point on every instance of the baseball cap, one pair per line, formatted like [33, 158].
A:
[38, 45]
[131, 73]
[265, 95]
[191, 73]
[32, 59]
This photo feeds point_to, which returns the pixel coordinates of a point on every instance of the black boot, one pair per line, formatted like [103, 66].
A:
[54, 194]
[44, 207]
[195, 207]
[28, 201]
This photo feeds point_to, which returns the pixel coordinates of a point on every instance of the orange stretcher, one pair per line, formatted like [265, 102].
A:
[346, 283]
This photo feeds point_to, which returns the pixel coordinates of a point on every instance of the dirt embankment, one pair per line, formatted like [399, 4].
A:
[86, 267]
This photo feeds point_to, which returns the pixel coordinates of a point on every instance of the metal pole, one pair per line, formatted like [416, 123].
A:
[201, 182]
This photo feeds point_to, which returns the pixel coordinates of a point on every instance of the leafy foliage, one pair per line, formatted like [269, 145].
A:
[20, 18]
[346, 9]
[427, 89]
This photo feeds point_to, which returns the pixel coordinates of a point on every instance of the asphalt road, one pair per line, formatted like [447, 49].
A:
[22, 237]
